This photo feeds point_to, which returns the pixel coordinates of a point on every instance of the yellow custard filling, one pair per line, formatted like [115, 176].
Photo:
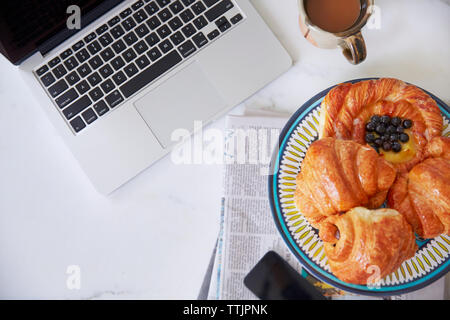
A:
[406, 154]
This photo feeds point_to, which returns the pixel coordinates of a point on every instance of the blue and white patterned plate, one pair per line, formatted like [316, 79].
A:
[432, 259]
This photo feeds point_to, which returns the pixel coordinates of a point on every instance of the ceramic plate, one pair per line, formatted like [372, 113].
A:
[432, 259]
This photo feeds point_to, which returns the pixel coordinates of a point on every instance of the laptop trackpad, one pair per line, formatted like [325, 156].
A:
[186, 97]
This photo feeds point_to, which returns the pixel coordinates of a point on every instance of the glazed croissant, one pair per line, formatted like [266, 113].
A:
[423, 194]
[338, 175]
[347, 108]
[363, 245]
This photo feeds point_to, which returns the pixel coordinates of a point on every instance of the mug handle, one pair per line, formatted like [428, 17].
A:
[354, 48]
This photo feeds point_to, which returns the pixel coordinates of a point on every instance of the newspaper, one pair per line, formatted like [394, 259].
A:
[247, 230]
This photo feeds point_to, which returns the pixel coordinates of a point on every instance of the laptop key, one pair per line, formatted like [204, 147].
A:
[236, 18]
[82, 87]
[163, 3]
[82, 55]
[151, 8]
[117, 63]
[198, 8]
[101, 29]
[213, 34]
[114, 98]
[106, 71]
[42, 70]
[54, 62]
[77, 46]
[141, 62]
[113, 21]
[131, 70]
[130, 38]
[91, 36]
[72, 78]
[154, 54]
[165, 46]
[58, 88]
[164, 31]
[175, 23]
[186, 49]
[165, 15]
[96, 94]
[107, 54]
[119, 78]
[218, 10]
[140, 16]
[94, 47]
[200, 22]
[187, 15]
[152, 39]
[71, 63]
[129, 55]
[177, 38]
[223, 24]
[129, 24]
[153, 23]
[66, 98]
[76, 107]
[142, 30]
[89, 116]
[94, 79]
[95, 62]
[59, 71]
[200, 39]
[151, 73]
[100, 107]
[107, 86]
[84, 70]
[137, 5]
[105, 39]
[125, 13]
[140, 47]
[119, 46]
[188, 2]
[117, 32]
[176, 7]
[77, 124]
[66, 54]
[188, 30]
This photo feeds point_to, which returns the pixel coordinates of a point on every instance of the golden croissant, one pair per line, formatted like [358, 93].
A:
[338, 175]
[363, 246]
[423, 194]
[347, 108]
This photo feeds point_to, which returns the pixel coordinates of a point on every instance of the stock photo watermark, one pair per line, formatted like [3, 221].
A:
[73, 281]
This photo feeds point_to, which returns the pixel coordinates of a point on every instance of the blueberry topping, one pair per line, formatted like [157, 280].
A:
[396, 121]
[396, 147]
[387, 146]
[393, 137]
[407, 124]
[378, 142]
[385, 120]
[381, 129]
[370, 137]
[371, 126]
[375, 119]
[404, 137]
[385, 137]
[391, 129]
[400, 130]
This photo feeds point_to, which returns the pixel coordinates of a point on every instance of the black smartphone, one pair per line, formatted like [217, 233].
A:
[274, 279]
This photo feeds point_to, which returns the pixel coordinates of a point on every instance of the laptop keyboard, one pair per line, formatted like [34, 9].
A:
[131, 50]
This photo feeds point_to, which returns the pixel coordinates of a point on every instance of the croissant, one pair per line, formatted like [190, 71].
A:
[348, 107]
[423, 194]
[338, 175]
[363, 245]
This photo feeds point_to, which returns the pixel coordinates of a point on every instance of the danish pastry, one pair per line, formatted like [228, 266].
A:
[338, 175]
[348, 109]
[423, 194]
[363, 245]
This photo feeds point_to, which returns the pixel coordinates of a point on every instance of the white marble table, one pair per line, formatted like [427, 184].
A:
[153, 237]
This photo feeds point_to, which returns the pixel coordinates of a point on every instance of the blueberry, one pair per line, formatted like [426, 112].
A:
[370, 137]
[407, 123]
[385, 137]
[375, 119]
[387, 146]
[391, 129]
[400, 130]
[396, 121]
[393, 137]
[396, 147]
[404, 137]
[371, 126]
[385, 120]
[378, 142]
[381, 129]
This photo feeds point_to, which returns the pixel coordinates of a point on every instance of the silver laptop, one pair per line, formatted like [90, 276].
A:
[136, 71]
